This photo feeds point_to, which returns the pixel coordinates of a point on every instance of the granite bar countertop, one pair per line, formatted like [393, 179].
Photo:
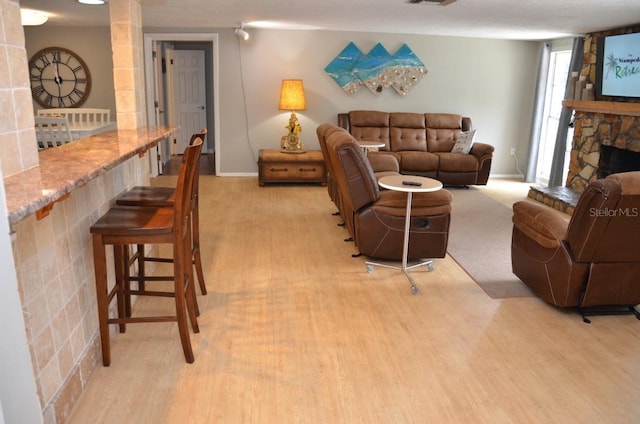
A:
[65, 168]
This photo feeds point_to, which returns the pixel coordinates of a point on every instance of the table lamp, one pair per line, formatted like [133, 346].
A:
[292, 98]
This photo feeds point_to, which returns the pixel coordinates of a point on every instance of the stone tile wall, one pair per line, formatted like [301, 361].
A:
[591, 129]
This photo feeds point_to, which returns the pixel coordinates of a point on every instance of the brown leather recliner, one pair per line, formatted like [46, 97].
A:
[591, 261]
[376, 218]
[382, 165]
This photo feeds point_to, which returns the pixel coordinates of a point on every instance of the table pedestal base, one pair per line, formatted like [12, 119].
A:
[404, 268]
[408, 184]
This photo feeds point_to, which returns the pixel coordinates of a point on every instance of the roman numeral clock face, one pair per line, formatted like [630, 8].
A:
[59, 78]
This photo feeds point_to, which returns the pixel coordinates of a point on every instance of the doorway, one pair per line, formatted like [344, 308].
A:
[162, 108]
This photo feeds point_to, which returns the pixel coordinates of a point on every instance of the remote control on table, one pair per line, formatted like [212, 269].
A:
[412, 183]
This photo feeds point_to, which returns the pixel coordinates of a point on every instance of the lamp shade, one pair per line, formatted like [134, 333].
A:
[292, 95]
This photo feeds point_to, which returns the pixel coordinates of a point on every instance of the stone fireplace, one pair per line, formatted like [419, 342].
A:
[604, 131]
[606, 140]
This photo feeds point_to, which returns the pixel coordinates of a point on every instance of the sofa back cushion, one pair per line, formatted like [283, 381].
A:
[407, 132]
[441, 131]
[370, 125]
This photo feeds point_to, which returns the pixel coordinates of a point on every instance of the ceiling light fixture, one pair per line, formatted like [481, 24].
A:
[92, 1]
[30, 17]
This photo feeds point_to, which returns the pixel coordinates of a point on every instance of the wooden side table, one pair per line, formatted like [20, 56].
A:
[275, 166]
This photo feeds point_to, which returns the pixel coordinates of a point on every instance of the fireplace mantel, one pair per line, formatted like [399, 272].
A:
[611, 108]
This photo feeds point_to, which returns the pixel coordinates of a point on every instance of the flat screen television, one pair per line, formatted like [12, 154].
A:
[618, 66]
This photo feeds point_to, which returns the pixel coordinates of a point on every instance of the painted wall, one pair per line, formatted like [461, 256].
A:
[491, 81]
[93, 45]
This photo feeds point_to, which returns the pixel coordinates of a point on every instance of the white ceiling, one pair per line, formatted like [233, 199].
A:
[507, 19]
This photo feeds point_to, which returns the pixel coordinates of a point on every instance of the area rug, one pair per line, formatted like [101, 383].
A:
[480, 242]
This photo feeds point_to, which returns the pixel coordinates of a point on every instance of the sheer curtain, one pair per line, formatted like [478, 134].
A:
[557, 166]
[538, 111]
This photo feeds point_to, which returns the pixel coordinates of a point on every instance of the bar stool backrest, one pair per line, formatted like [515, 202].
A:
[196, 182]
[184, 188]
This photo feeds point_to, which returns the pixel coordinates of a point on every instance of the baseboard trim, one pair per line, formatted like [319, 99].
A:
[238, 174]
[503, 176]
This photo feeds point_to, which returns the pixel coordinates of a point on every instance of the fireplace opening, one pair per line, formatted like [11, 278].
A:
[613, 160]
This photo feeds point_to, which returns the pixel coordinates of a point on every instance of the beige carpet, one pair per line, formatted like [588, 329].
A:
[480, 242]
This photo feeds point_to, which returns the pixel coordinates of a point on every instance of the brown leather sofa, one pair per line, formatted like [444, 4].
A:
[591, 261]
[376, 218]
[422, 144]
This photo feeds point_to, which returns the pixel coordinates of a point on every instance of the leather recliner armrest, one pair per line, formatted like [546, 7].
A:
[423, 204]
[383, 162]
[482, 149]
[543, 225]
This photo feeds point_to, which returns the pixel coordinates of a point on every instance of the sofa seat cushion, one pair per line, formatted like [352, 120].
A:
[458, 162]
[418, 162]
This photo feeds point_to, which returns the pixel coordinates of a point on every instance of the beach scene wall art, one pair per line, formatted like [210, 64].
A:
[377, 70]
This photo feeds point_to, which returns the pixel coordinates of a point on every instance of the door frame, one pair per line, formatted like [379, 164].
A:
[213, 88]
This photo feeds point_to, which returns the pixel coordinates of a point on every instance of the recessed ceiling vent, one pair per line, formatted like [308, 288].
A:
[439, 2]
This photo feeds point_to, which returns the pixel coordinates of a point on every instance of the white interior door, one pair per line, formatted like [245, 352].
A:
[189, 94]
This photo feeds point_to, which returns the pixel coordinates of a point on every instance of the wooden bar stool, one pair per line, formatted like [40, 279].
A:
[125, 225]
[158, 197]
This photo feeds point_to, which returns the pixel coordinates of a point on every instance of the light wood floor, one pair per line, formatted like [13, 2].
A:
[294, 330]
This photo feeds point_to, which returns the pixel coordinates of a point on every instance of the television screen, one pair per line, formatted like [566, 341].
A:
[620, 66]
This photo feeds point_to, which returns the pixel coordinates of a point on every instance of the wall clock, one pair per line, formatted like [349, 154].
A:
[59, 78]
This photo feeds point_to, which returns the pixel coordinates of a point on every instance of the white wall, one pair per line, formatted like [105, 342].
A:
[93, 45]
[491, 81]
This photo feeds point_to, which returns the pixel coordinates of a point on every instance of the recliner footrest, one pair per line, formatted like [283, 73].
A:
[607, 310]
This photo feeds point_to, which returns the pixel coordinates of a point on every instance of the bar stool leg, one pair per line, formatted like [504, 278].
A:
[192, 301]
[123, 298]
[100, 265]
[181, 306]
[197, 260]
[141, 268]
